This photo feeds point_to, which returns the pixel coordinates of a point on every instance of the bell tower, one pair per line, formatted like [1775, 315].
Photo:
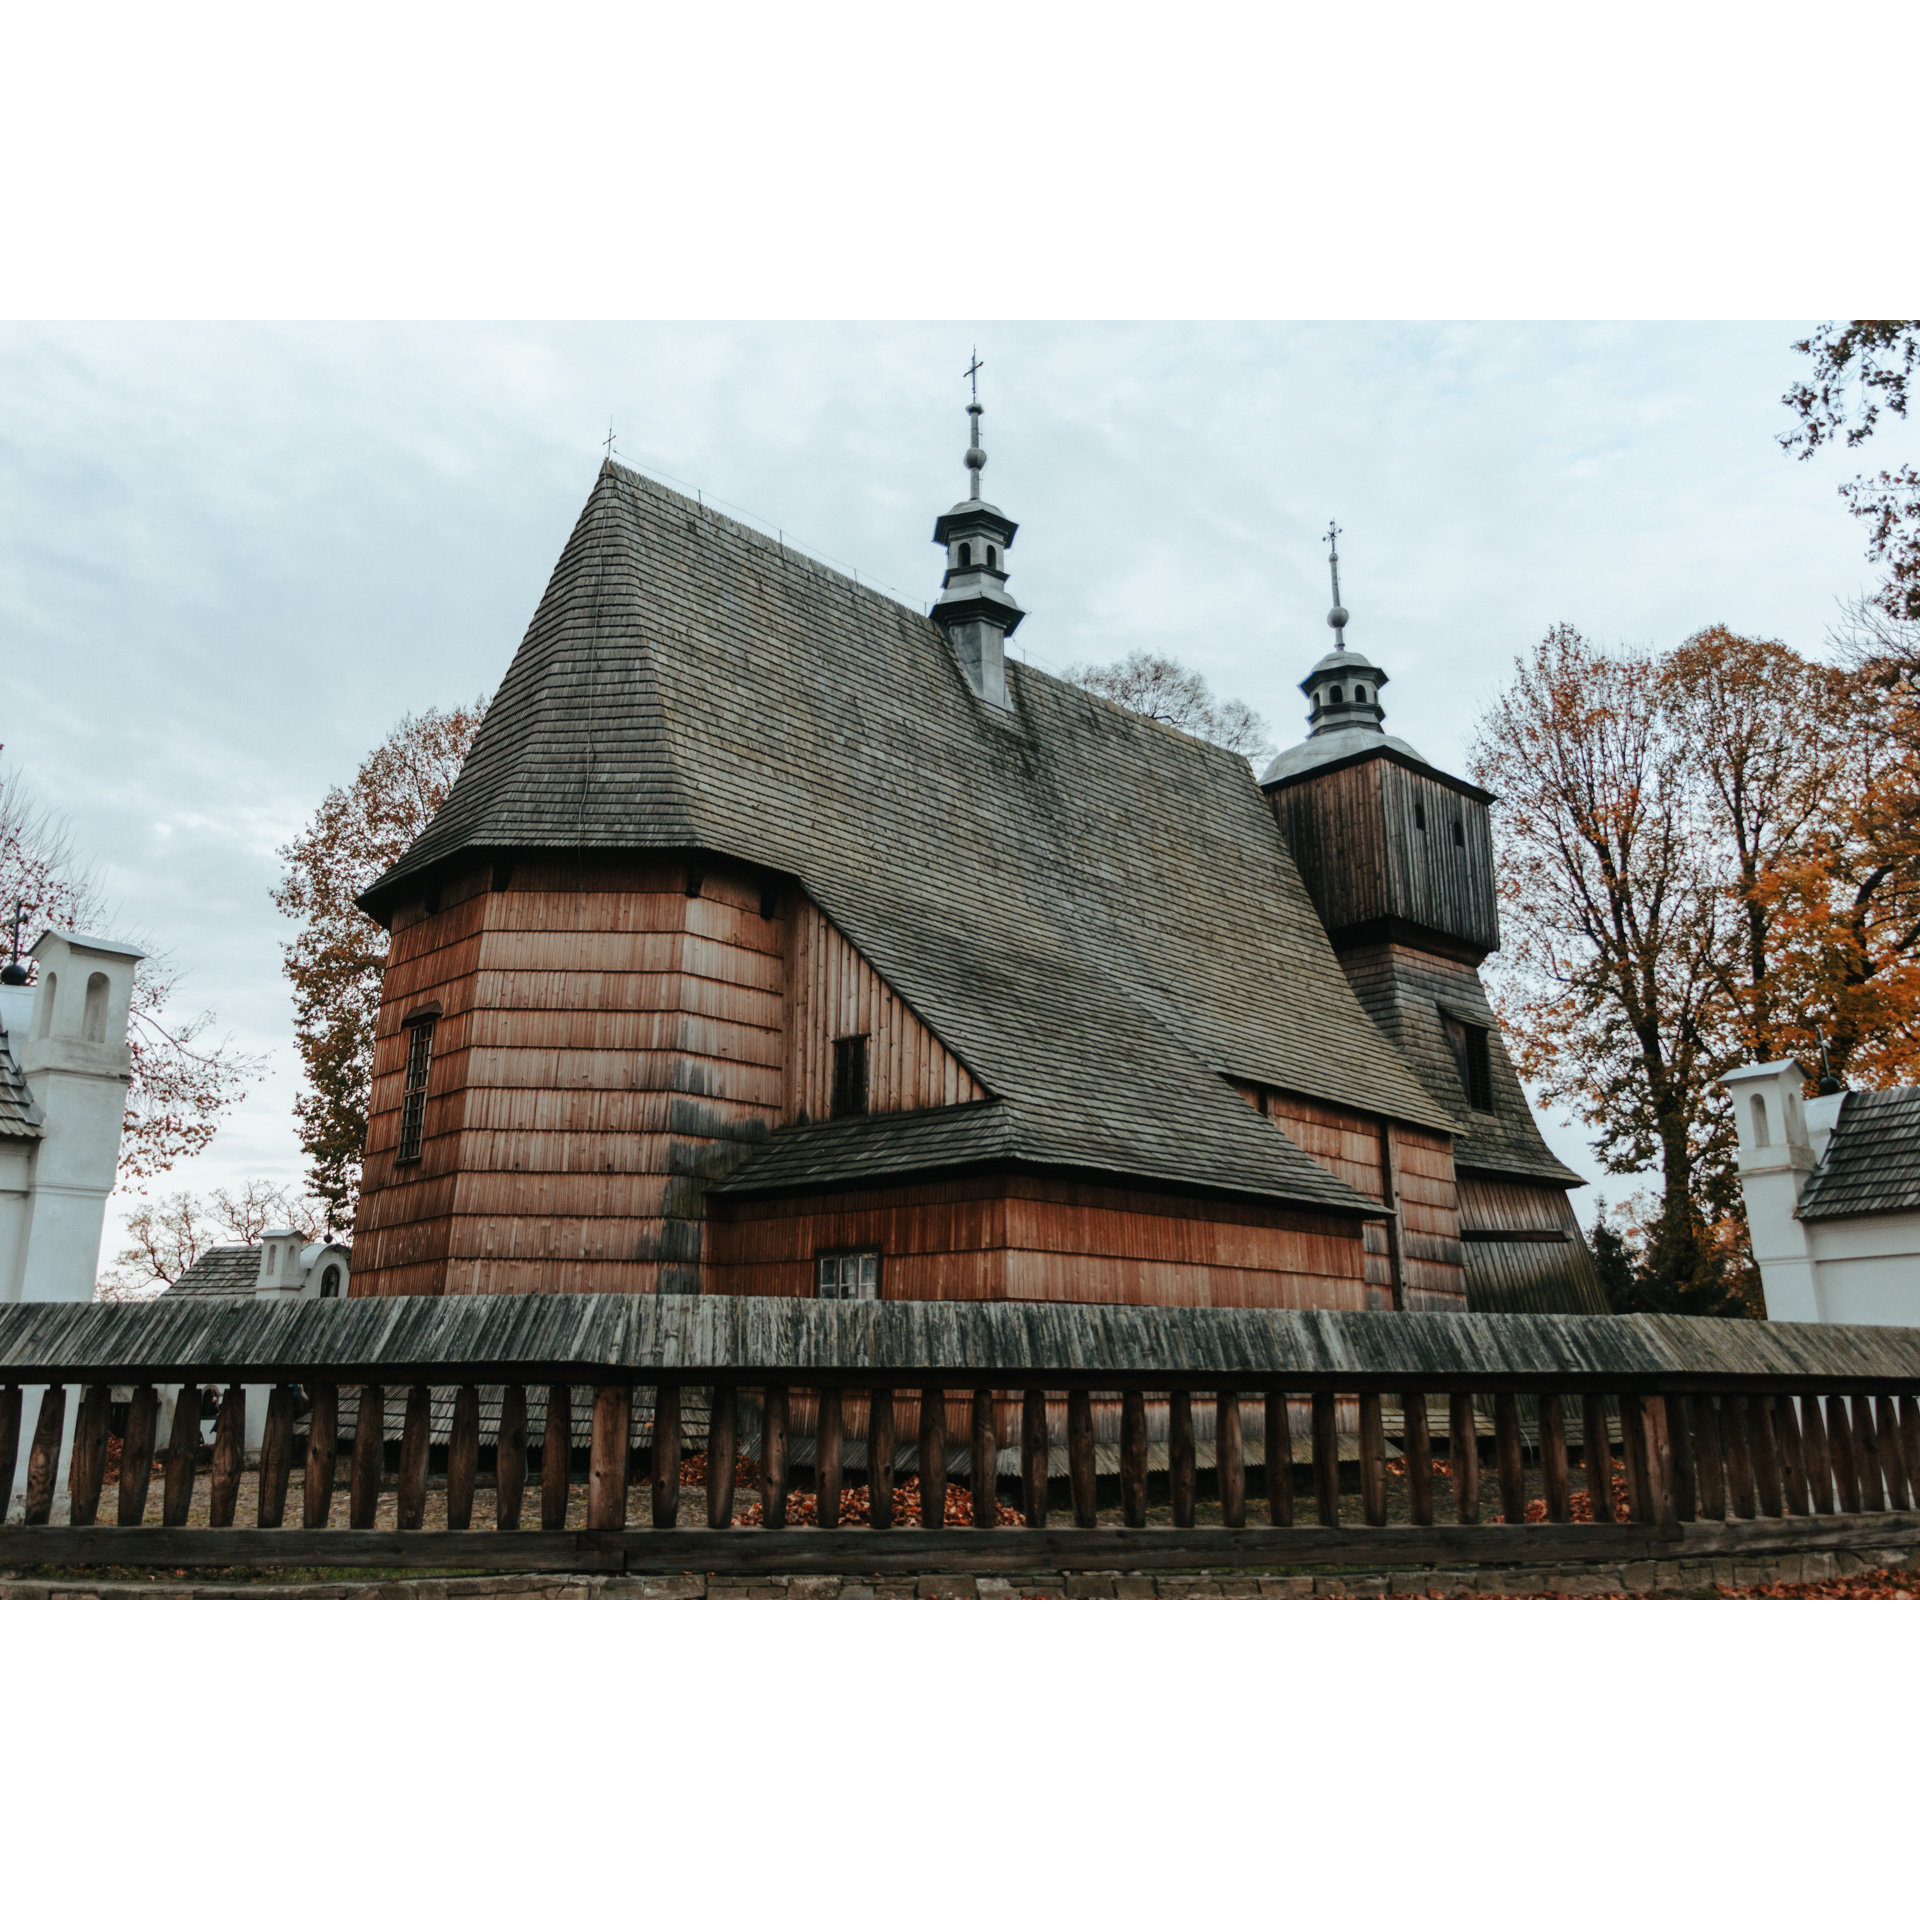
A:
[1397, 857]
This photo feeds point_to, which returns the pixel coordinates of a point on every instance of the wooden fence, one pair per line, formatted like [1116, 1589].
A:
[1734, 1436]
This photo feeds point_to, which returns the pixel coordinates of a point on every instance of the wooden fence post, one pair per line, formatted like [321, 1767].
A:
[1866, 1456]
[276, 1459]
[1133, 1458]
[1840, 1446]
[1278, 1448]
[773, 1456]
[556, 1459]
[984, 1475]
[1659, 1458]
[1910, 1442]
[366, 1467]
[1080, 1464]
[933, 1457]
[410, 1496]
[880, 1446]
[1509, 1464]
[10, 1405]
[1633, 1449]
[1766, 1455]
[323, 1440]
[1326, 1460]
[1180, 1454]
[1736, 1433]
[1813, 1445]
[43, 1458]
[827, 1451]
[1416, 1451]
[1553, 1459]
[229, 1456]
[463, 1458]
[1709, 1456]
[1463, 1456]
[1230, 1460]
[510, 1460]
[611, 1445]
[136, 1458]
[663, 1457]
[183, 1456]
[1892, 1456]
[723, 1445]
[1686, 1479]
[88, 1467]
[1793, 1463]
[1373, 1462]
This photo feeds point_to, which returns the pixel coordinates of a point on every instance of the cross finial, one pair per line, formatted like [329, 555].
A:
[1337, 619]
[609, 439]
[973, 373]
[13, 974]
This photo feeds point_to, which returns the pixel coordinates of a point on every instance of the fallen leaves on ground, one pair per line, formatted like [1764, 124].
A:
[856, 1508]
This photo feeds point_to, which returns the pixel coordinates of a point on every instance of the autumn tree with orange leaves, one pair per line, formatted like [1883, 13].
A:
[1707, 857]
[338, 957]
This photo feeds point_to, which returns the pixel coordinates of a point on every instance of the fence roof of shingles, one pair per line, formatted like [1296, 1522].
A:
[220, 1273]
[612, 1336]
[1872, 1163]
[1096, 913]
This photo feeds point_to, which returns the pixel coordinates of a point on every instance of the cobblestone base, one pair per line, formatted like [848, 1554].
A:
[1676, 1579]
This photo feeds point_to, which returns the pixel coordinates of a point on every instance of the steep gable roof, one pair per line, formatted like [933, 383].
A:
[1095, 912]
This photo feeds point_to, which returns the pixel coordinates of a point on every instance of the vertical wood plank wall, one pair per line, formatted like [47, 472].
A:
[1526, 1276]
[1348, 1144]
[1021, 1237]
[835, 993]
[1352, 835]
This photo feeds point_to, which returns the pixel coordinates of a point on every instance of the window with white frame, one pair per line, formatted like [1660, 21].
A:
[849, 1276]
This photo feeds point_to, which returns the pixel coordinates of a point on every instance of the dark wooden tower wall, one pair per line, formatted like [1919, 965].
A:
[1383, 846]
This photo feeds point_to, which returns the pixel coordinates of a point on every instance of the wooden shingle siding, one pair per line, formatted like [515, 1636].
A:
[602, 1033]
[1352, 835]
[1023, 1237]
[604, 1037]
[836, 993]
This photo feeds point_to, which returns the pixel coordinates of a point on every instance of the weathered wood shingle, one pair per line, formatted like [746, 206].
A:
[1095, 913]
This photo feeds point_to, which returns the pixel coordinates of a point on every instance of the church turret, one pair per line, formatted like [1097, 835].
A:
[974, 610]
[1389, 847]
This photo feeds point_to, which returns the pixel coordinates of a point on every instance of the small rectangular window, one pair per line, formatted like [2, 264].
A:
[413, 1101]
[850, 1076]
[1419, 818]
[1474, 1057]
[849, 1276]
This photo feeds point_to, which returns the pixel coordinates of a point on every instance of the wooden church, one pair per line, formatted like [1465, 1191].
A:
[777, 939]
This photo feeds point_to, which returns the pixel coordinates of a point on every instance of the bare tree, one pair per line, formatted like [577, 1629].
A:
[1162, 689]
[182, 1082]
[168, 1235]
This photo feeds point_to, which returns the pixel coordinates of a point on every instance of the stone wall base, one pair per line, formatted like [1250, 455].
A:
[1625, 1579]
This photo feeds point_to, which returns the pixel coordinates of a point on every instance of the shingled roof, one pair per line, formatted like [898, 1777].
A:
[1872, 1162]
[19, 1120]
[1096, 913]
[225, 1273]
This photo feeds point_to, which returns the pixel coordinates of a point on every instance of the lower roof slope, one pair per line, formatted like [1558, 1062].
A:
[1872, 1161]
[1095, 912]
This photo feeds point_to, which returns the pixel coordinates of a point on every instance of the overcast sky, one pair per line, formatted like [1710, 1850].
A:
[231, 557]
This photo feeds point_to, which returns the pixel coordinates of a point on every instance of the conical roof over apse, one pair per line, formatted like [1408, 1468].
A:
[1096, 913]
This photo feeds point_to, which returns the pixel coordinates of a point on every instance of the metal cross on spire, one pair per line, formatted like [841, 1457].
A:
[1337, 619]
[973, 373]
[609, 439]
[13, 974]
